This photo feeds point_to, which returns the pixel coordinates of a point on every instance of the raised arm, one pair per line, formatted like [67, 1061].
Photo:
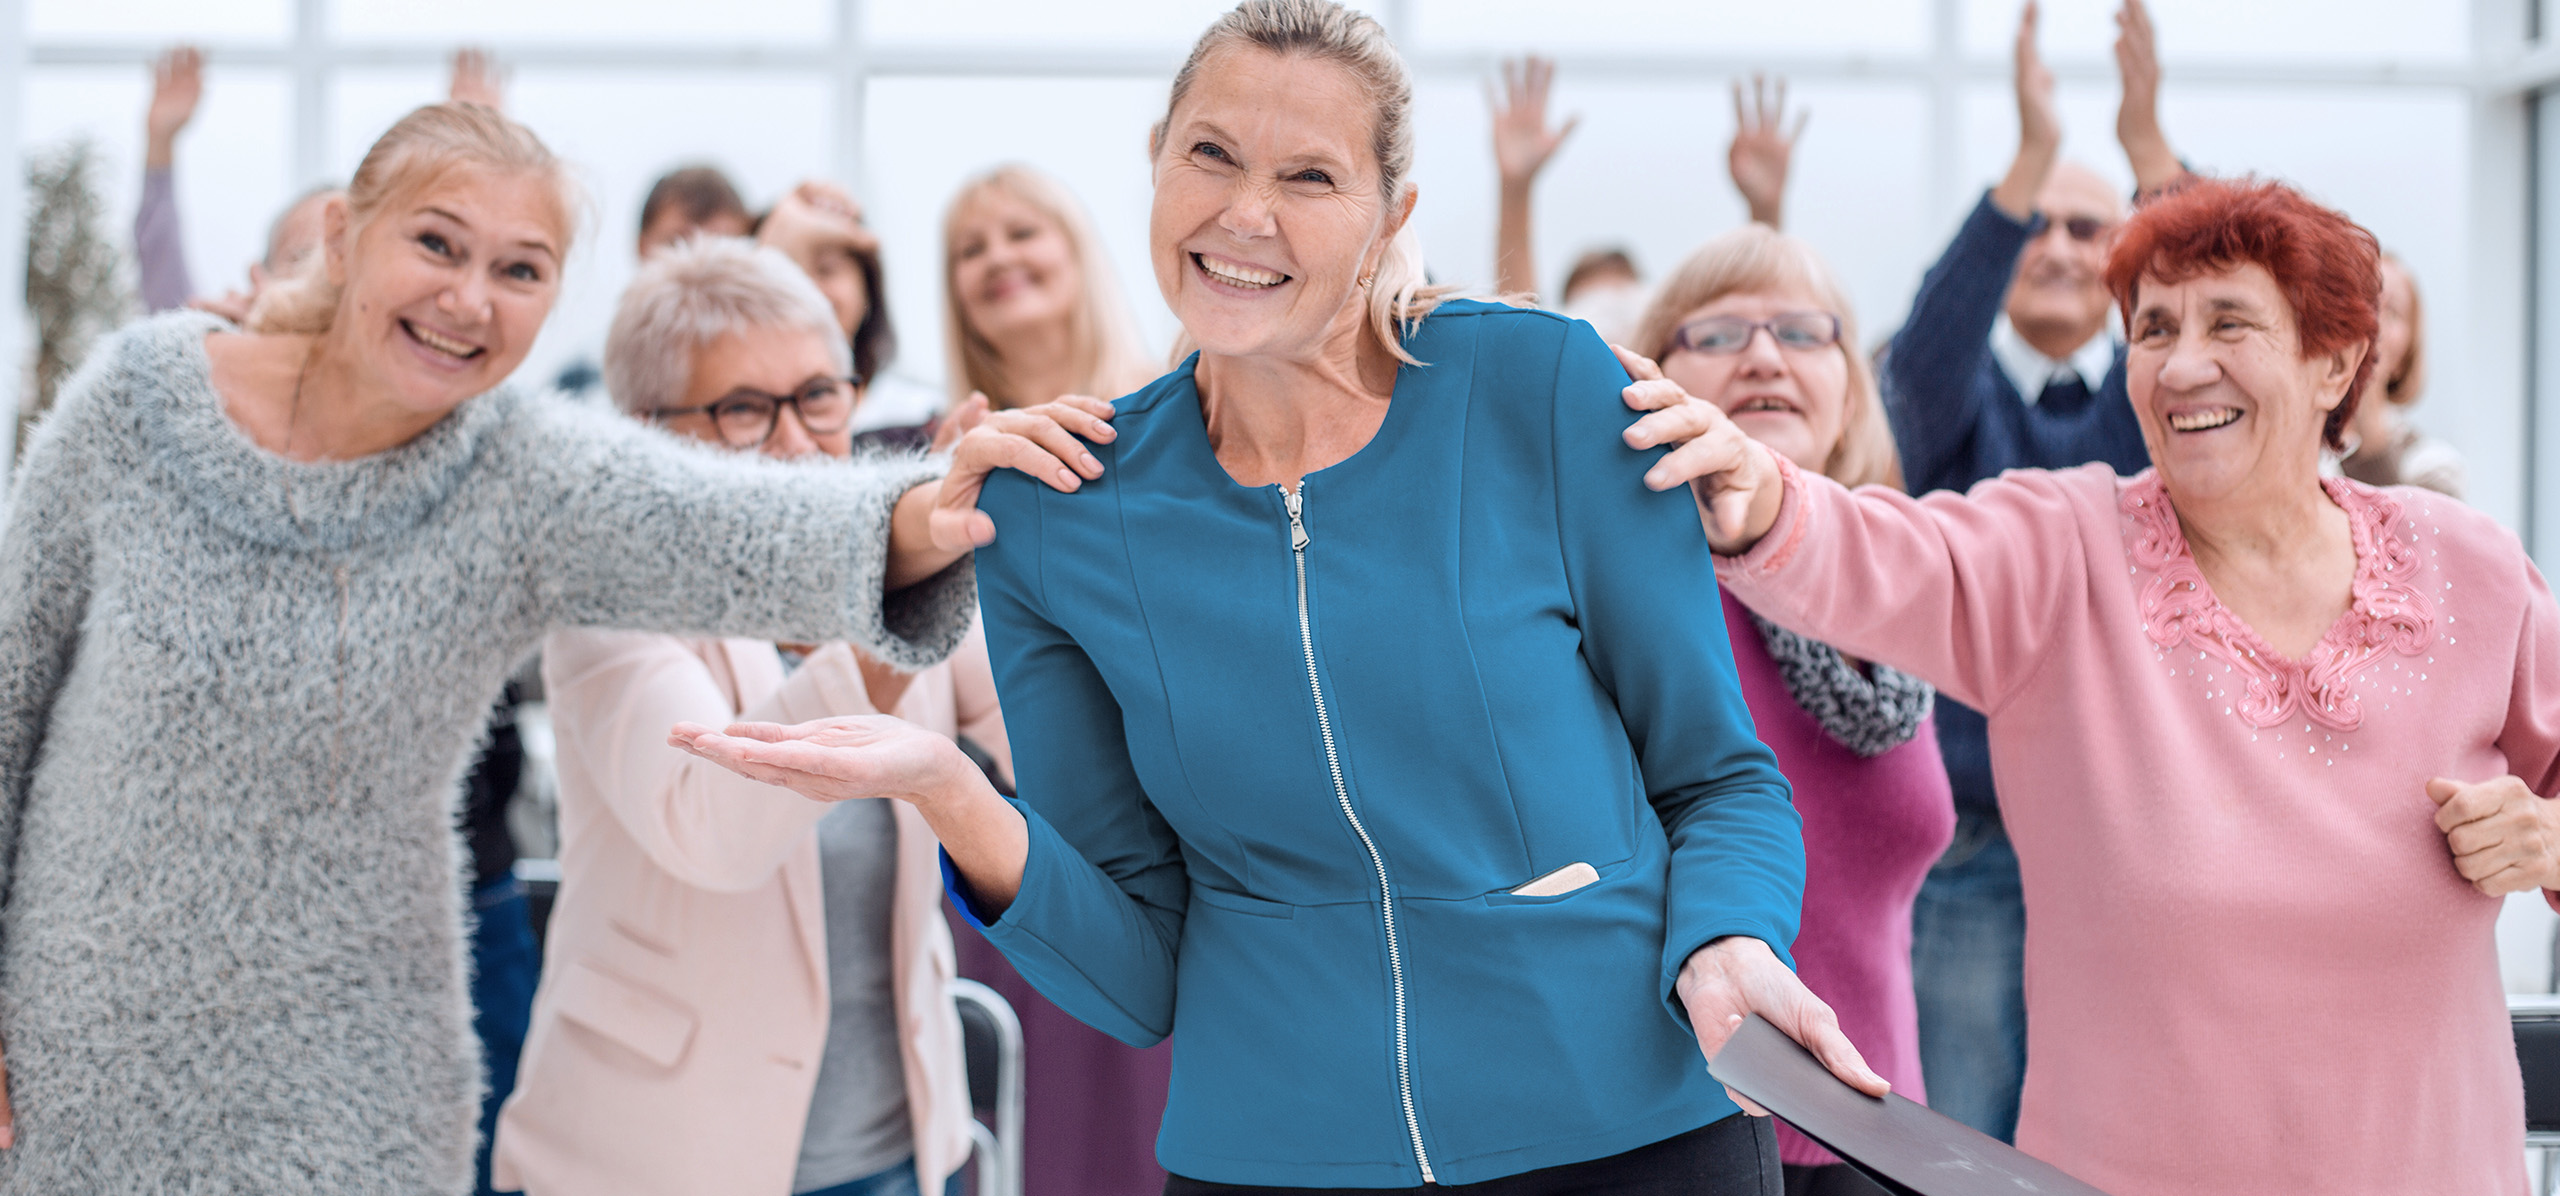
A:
[159, 243]
[1929, 372]
[1522, 143]
[2146, 147]
[1763, 146]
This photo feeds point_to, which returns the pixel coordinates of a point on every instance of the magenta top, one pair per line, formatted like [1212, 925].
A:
[1872, 827]
[2250, 964]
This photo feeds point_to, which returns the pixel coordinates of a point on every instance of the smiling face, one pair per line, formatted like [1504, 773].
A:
[444, 290]
[1012, 266]
[1793, 400]
[774, 361]
[2219, 383]
[2059, 299]
[1268, 207]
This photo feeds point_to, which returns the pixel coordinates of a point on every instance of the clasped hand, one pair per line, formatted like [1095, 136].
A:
[2504, 837]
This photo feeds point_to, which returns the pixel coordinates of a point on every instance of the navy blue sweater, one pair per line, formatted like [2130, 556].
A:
[1958, 420]
[1283, 768]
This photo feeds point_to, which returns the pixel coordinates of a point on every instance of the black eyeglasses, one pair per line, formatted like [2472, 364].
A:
[2082, 228]
[745, 417]
[1732, 334]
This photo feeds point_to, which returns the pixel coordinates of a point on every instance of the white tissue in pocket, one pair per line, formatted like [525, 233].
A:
[1561, 881]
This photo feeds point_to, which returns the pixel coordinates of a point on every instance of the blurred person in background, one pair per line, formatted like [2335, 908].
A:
[1033, 312]
[2384, 448]
[257, 590]
[800, 945]
[1758, 325]
[691, 201]
[2007, 360]
[159, 241]
[1033, 309]
[1603, 286]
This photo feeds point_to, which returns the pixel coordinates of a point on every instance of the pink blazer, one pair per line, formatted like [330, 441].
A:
[683, 1008]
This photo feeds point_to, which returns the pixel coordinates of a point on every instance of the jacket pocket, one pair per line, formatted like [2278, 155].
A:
[1582, 877]
[1241, 904]
[654, 1027]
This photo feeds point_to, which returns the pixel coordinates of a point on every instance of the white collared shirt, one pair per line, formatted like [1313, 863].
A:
[2031, 371]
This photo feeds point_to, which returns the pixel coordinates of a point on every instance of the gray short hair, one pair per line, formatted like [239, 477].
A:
[694, 293]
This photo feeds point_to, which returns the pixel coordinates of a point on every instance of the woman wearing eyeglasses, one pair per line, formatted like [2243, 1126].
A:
[1756, 323]
[744, 988]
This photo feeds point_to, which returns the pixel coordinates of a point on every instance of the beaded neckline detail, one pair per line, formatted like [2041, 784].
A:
[2386, 614]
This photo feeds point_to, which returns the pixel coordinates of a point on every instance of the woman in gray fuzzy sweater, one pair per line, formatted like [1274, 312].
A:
[255, 593]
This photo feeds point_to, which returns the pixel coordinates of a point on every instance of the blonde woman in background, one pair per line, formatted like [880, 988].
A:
[2387, 450]
[1032, 308]
[1033, 312]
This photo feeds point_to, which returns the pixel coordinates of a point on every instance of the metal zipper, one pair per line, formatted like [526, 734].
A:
[1296, 501]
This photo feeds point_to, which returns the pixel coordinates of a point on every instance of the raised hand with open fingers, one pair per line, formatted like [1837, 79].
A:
[1764, 145]
[2504, 837]
[477, 79]
[177, 86]
[1522, 139]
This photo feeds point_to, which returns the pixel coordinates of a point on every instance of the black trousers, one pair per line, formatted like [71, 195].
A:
[1737, 1156]
[1830, 1179]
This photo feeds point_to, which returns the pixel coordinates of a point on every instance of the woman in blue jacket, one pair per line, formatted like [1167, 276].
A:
[1373, 739]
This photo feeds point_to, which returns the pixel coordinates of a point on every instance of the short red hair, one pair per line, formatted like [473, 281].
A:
[2327, 266]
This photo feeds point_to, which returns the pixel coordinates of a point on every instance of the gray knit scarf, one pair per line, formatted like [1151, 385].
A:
[1868, 713]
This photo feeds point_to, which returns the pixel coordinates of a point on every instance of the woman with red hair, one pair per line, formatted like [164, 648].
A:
[2271, 746]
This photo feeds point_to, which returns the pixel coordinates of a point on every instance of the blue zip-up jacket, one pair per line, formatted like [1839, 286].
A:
[1504, 657]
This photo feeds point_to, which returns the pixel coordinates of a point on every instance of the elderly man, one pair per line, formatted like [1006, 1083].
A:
[2007, 362]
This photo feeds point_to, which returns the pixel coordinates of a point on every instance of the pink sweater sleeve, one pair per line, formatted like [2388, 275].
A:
[613, 694]
[1968, 592]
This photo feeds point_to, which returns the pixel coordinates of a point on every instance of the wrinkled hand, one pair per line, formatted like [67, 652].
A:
[2504, 838]
[1040, 441]
[230, 305]
[1734, 977]
[477, 79]
[1763, 146]
[967, 415]
[1522, 142]
[2039, 125]
[1734, 476]
[177, 85]
[835, 759]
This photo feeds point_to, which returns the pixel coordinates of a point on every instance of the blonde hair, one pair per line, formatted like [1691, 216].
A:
[420, 151]
[1399, 294]
[1110, 360]
[1756, 257]
[695, 292]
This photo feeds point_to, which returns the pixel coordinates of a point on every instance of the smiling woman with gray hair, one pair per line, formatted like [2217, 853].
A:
[1373, 744]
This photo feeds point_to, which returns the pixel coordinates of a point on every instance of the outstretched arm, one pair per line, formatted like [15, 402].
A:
[1522, 143]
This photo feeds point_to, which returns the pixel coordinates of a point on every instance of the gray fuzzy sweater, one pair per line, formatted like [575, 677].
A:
[236, 694]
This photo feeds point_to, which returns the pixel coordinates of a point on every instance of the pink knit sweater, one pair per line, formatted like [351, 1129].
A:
[2251, 967]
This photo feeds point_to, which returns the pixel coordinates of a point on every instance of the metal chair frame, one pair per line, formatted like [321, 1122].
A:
[998, 1150]
[2522, 1009]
